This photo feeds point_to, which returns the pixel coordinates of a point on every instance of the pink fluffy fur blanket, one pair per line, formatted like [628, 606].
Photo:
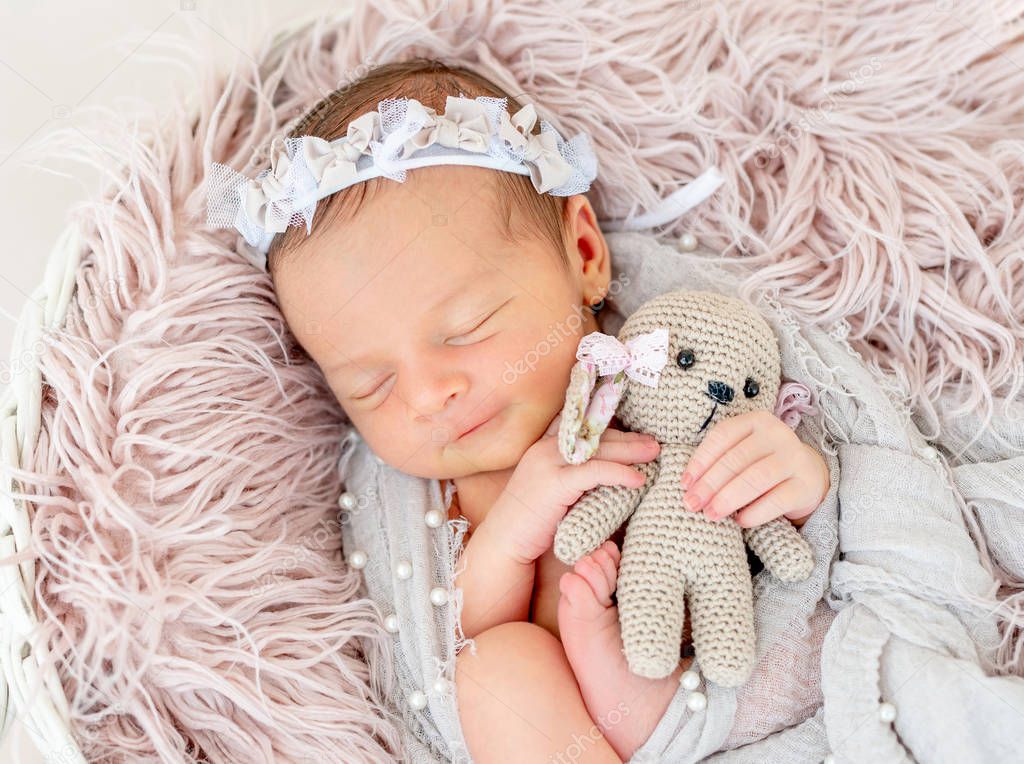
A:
[190, 583]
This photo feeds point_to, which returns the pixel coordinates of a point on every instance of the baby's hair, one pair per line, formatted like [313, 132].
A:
[430, 81]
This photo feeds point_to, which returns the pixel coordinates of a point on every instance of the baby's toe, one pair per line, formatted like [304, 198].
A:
[594, 574]
[613, 551]
[609, 562]
[577, 596]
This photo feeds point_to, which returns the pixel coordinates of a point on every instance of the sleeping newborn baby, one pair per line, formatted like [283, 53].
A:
[429, 305]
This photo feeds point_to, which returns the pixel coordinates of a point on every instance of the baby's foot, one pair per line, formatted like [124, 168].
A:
[626, 707]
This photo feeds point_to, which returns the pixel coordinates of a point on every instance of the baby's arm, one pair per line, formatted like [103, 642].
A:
[496, 587]
[500, 555]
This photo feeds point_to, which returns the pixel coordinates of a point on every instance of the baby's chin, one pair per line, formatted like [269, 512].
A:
[500, 448]
[497, 454]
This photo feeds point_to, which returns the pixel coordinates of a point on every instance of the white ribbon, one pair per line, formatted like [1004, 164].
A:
[476, 131]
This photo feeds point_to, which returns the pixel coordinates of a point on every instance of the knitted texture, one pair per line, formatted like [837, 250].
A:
[723, 360]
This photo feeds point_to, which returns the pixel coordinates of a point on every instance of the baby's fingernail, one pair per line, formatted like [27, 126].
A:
[687, 480]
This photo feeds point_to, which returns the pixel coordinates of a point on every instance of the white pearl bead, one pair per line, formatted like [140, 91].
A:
[441, 686]
[887, 712]
[434, 518]
[347, 501]
[929, 452]
[403, 569]
[690, 680]
[391, 623]
[357, 559]
[696, 701]
[417, 700]
[688, 242]
[439, 596]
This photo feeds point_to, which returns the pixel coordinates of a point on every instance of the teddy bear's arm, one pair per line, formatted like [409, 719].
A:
[782, 549]
[598, 514]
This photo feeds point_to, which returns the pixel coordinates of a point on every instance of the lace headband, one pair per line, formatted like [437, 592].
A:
[400, 135]
[403, 134]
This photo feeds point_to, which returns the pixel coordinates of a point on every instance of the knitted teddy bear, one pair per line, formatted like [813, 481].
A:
[683, 361]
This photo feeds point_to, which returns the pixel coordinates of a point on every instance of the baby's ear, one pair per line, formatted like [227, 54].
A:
[587, 411]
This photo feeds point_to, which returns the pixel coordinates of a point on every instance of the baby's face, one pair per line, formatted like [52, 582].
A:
[426, 322]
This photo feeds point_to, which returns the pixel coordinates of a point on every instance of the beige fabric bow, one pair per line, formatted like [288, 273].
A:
[328, 164]
[336, 165]
[463, 125]
[548, 168]
[261, 194]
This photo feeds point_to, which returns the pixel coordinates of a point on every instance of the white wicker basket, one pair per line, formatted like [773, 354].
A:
[46, 716]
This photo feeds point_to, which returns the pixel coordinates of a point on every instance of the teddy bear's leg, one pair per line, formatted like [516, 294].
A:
[722, 614]
[650, 593]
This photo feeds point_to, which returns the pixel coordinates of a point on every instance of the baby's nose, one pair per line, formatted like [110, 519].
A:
[720, 391]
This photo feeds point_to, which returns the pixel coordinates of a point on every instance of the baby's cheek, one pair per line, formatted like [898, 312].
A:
[535, 364]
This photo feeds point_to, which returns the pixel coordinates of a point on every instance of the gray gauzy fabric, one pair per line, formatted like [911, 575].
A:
[900, 610]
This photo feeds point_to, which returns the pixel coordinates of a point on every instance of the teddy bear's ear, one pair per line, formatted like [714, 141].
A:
[793, 401]
[587, 411]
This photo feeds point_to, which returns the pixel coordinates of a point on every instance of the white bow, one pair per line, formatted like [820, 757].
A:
[642, 357]
[463, 126]
[548, 168]
[335, 163]
[267, 200]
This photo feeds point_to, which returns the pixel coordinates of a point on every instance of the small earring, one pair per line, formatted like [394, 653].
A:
[596, 307]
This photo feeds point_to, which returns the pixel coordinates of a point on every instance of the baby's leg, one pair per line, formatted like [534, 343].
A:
[519, 701]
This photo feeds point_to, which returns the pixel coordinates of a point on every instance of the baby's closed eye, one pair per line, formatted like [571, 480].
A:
[377, 386]
[468, 334]
[478, 329]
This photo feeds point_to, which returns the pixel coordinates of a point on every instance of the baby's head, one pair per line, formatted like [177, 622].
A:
[433, 305]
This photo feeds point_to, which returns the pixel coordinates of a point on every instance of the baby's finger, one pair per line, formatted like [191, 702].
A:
[754, 481]
[773, 504]
[555, 424]
[748, 453]
[615, 434]
[628, 451]
[723, 436]
[582, 477]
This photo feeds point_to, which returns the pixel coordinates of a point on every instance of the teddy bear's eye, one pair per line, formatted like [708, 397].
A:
[685, 358]
[750, 389]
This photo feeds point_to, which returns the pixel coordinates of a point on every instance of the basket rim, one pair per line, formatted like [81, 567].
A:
[47, 718]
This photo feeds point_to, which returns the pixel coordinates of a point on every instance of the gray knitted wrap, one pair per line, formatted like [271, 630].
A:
[668, 552]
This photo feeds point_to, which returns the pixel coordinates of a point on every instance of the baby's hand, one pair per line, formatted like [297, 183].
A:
[754, 462]
[544, 486]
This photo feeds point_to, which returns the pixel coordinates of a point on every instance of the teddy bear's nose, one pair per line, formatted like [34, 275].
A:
[720, 391]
